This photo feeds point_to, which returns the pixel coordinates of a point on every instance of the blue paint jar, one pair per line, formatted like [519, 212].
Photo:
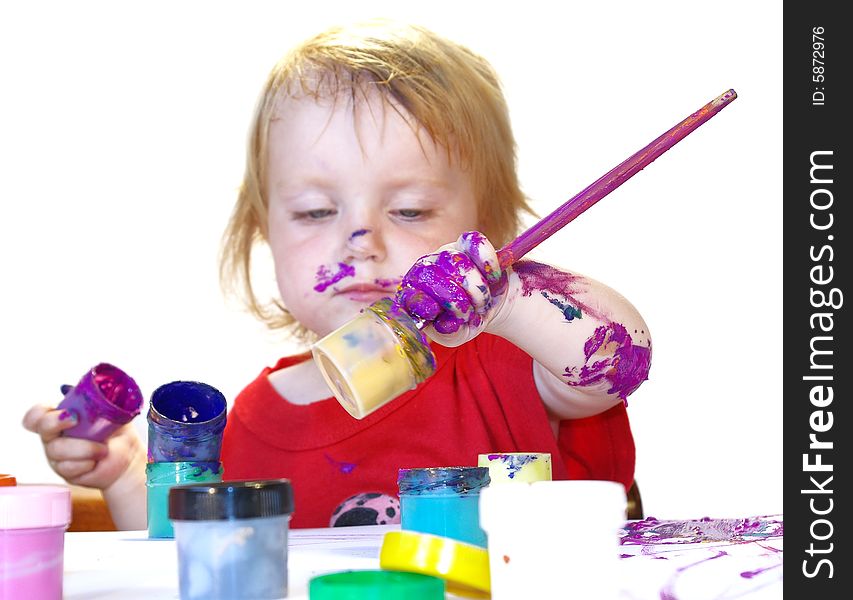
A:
[185, 422]
[232, 538]
[161, 477]
[443, 501]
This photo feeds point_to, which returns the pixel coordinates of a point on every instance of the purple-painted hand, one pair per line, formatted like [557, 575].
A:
[455, 290]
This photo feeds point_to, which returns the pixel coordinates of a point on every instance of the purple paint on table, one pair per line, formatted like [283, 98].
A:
[693, 531]
[344, 467]
[756, 572]
[668, 593]
[625, 368]
[326, 278]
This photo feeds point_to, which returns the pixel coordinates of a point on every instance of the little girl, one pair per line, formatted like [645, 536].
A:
[373, 148]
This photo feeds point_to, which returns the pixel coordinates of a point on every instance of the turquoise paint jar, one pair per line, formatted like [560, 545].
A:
[443, 501]
[161, 477]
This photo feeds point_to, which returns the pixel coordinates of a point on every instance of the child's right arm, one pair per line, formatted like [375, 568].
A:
[117, 467]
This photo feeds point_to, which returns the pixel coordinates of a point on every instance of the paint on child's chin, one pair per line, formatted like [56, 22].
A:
[625, 365]
[326, 278]
[358, 233]
[537, 277]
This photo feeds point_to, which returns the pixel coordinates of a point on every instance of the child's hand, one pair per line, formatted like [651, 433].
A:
[457, 290]
[79, 461]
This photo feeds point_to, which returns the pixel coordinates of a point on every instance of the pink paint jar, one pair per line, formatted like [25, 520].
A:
[33, 520]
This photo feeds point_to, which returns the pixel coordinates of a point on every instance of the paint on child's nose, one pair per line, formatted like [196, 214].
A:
[325, 277]
[358, 233]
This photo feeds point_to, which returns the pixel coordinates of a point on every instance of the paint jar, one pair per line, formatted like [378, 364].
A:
[105, 399]
[443, 501]
[232, 538]
[509, 467]
[374, 358]
[33, 520]
[161, 477]
[7, 480]
[375, 585]
[185, 422]
[554, 535]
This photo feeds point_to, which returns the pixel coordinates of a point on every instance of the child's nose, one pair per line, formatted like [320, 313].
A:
[364, 243]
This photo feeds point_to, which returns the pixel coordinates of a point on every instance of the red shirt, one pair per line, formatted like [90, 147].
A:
[481, 399]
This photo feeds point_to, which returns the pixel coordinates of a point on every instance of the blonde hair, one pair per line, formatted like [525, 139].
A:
[450, 92]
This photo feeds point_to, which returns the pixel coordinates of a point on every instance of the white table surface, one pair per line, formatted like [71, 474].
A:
[127, 565]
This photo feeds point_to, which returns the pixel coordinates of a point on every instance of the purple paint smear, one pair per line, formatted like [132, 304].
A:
[358, 233]
[625, 368]
[514, 463]
[326, 278]
[695, 531]
[344, 467]
[654, 536]
[388, 283]
[536, 277]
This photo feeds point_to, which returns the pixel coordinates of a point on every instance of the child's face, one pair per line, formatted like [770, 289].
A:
[354, 200]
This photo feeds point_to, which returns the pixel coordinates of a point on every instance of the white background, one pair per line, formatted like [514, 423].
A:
[122, 138]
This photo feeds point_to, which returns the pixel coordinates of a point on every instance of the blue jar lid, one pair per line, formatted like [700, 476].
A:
[456, 480]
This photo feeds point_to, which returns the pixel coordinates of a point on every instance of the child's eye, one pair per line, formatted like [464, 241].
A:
[314, 215]
[412, 214]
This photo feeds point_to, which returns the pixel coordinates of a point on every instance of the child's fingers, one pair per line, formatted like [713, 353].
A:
[48, 422]
[71, 469]
[67, 448]
[481, 252]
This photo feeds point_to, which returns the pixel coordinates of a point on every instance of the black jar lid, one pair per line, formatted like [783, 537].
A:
[228, 500]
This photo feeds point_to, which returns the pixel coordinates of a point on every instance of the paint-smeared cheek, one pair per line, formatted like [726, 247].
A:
[327, 276]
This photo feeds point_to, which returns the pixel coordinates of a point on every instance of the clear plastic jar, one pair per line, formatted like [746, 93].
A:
[232, 538]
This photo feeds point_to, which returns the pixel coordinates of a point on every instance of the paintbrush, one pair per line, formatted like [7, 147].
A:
[608, 182]
[382, 353]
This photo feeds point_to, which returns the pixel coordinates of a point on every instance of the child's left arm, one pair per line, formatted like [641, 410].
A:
[590, 346]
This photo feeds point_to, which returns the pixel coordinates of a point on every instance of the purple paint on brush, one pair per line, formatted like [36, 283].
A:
[326, 278]
[601, 187]
[625, 368]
